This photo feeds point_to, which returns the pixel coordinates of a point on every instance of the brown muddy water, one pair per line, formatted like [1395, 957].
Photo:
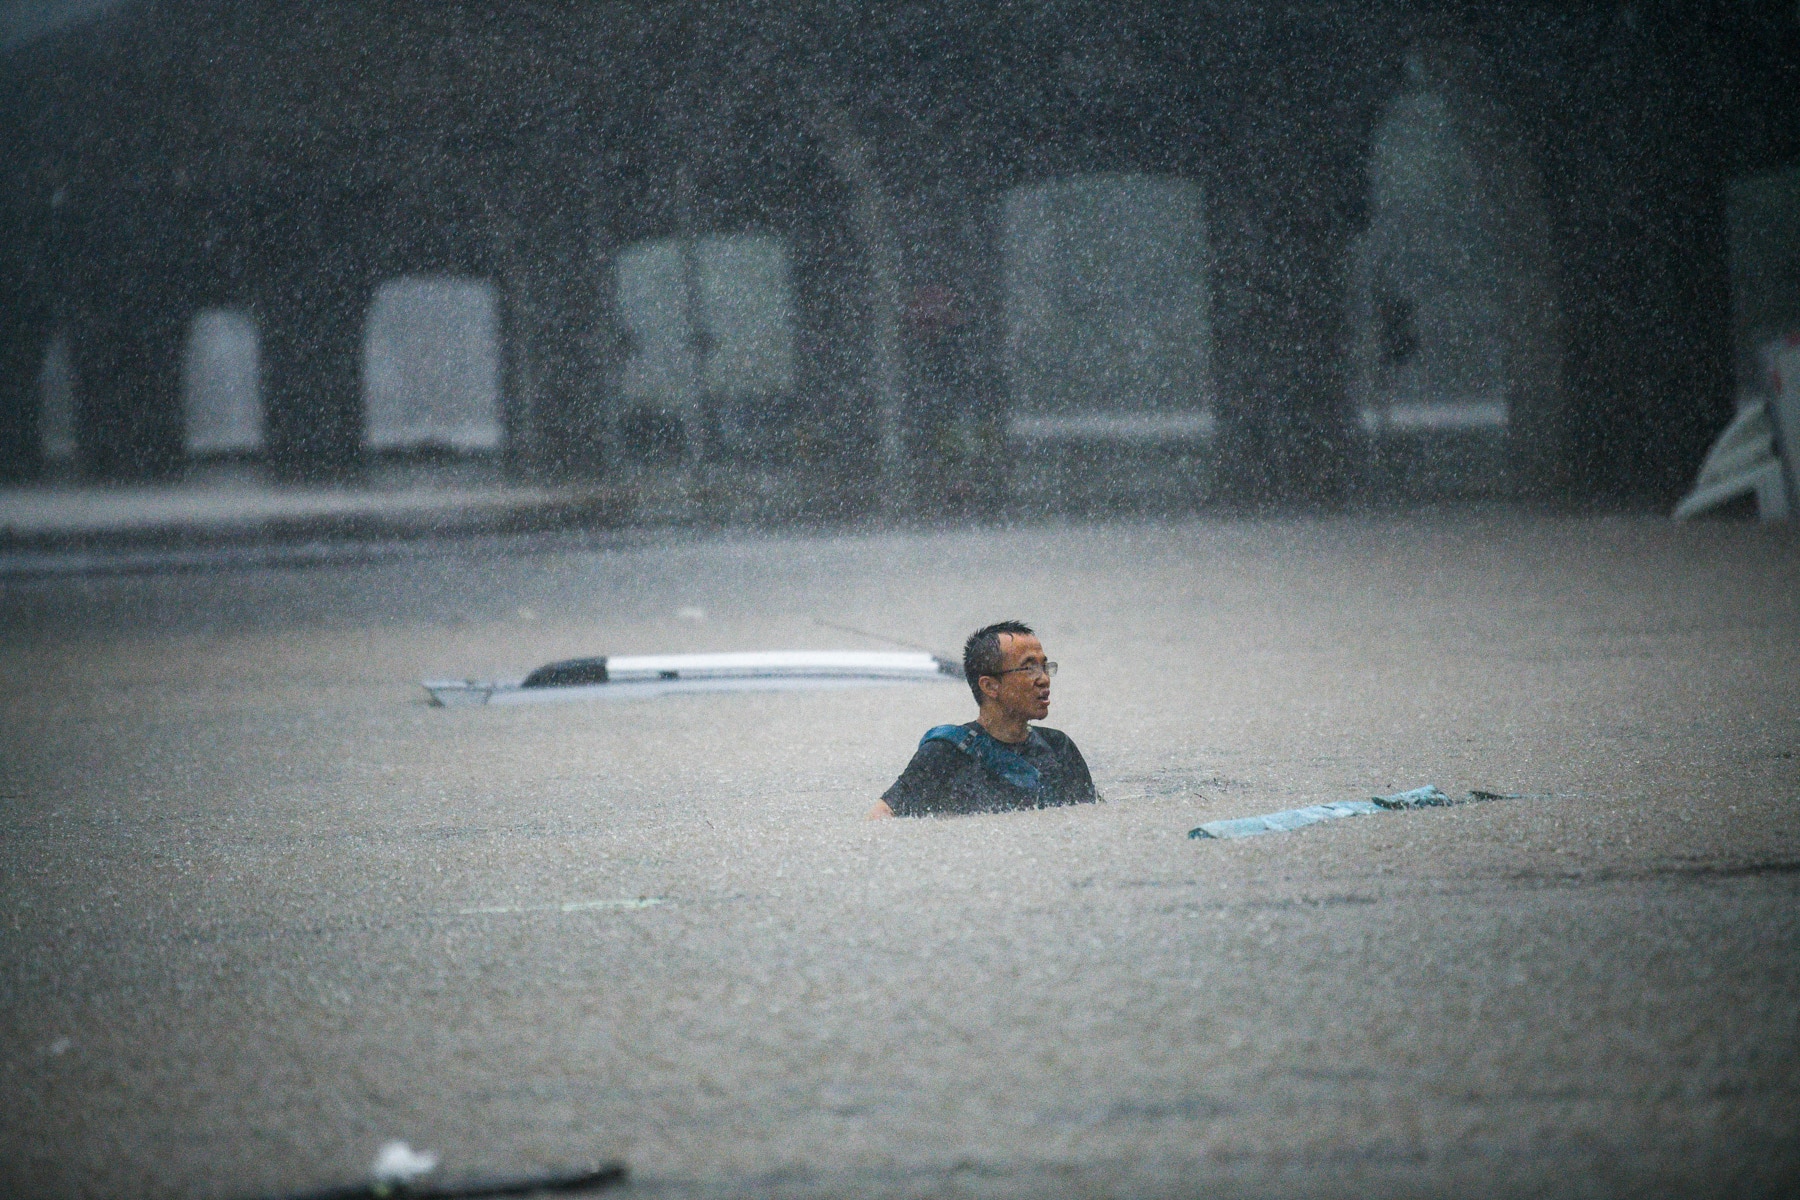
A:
[265, 910]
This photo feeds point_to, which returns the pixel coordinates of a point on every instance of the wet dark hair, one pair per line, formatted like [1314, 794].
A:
[981, 653]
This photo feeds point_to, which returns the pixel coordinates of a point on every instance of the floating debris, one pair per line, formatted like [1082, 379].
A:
[1419, 797]
[642, 676]
[398, 1164]
[399, 1170]
[1281, 822]
[1298, 818]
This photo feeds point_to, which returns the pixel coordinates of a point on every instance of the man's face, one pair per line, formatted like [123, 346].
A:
[1023, 687]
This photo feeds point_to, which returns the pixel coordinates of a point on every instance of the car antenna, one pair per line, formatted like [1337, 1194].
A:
[879, 637]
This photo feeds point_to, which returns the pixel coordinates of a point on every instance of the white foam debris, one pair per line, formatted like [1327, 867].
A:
[398, 1164]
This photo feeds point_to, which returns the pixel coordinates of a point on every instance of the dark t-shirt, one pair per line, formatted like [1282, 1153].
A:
[942, 779]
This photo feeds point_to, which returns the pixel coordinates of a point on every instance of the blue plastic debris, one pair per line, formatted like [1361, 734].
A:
[1420, 797]
[1295, 818]
[1281, 822]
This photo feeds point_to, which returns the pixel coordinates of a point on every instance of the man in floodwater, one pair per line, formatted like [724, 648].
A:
[997, 761]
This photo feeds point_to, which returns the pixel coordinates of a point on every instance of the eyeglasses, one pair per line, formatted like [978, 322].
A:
[1047, 670]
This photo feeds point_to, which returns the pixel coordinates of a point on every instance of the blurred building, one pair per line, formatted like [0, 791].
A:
[917, 258]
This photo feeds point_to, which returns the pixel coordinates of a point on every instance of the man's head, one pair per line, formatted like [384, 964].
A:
[1004, 665]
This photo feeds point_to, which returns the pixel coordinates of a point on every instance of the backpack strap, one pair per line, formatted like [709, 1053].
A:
[991, 754]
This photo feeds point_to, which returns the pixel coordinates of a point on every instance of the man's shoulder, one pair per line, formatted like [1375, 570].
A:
[942, 747]
[1056, 737]
[935, 765]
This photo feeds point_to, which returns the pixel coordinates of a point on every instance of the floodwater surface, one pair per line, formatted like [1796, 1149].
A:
[266, 909]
